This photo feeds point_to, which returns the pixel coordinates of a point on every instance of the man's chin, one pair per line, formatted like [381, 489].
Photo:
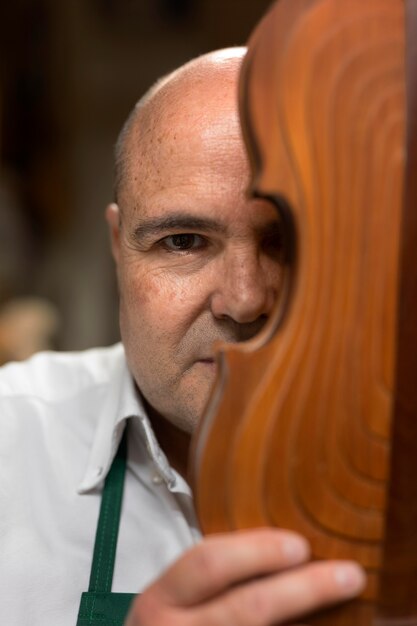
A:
[196, 398]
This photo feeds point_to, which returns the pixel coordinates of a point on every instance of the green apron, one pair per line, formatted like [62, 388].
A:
[99, 606]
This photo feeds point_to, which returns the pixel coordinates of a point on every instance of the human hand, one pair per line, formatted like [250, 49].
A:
[248, 578]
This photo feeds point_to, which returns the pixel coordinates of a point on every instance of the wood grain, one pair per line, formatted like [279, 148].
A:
[299, 430]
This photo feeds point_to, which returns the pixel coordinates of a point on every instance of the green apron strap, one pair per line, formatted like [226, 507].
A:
[104, 555]
[99, 606]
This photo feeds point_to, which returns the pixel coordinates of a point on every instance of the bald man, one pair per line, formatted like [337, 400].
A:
[197, 261]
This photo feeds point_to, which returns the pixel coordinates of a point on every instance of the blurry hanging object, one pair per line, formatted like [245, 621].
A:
[313, 424]
[27, 326]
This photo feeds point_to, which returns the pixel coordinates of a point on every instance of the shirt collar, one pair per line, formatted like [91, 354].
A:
[122, 402]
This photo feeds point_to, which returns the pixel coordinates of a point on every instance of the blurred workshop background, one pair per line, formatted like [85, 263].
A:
[71, 72]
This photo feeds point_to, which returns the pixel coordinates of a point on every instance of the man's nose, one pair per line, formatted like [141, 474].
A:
[247, 288]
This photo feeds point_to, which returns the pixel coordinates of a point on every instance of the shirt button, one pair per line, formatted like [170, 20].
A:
[157, 479]
[99, 470]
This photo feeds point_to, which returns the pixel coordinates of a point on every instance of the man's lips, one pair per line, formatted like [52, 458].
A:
[206, 361]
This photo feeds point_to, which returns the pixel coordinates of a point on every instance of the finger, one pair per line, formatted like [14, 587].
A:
[285, 597]
[221, 561]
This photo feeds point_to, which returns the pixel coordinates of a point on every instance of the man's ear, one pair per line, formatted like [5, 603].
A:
[113, 221]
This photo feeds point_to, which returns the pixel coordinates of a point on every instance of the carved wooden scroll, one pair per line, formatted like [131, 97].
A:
[313, 425]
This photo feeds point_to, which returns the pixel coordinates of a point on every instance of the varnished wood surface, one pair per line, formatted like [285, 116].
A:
[298, 432]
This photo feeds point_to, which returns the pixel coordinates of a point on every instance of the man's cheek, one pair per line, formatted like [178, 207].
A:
[137, 291]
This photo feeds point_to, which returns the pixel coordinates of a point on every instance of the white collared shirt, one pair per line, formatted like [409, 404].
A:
[61, 420]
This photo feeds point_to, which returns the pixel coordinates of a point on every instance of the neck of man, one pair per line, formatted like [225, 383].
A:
[174, 442]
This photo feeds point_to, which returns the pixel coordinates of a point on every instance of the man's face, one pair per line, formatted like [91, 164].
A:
[197, 260]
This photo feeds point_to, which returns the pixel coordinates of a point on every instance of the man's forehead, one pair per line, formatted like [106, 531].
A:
[195, 97]
[171, 92]
[199, 117]
[193, 111]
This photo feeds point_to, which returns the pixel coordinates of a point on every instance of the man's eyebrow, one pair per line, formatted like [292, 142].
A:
[178, 221]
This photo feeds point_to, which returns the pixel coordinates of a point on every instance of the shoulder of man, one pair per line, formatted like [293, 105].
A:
[54, 376]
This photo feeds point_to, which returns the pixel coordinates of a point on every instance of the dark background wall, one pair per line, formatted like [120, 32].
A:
[71, 71]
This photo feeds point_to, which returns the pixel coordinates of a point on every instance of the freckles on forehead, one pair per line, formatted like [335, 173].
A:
[174, 138]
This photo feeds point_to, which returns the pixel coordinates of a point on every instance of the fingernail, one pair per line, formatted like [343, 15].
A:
[296, 549]
[350, 577]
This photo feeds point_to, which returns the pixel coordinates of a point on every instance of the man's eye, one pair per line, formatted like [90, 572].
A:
[183, 241]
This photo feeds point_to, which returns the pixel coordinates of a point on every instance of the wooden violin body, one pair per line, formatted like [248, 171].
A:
[313, 424]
